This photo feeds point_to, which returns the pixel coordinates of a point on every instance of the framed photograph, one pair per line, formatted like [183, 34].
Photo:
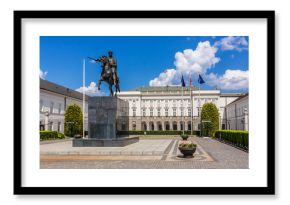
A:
[144, 102]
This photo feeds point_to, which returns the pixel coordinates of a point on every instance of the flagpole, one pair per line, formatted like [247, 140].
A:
[191, 132]
[199, 110]
[182, 112]
[84, 84]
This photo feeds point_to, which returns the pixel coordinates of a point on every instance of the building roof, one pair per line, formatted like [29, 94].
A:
[55, 88]
[232, 94]
[163, 88]
[239, 98]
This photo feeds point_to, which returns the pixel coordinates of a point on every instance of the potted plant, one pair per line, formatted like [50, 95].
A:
[184, 136]
[187, 148]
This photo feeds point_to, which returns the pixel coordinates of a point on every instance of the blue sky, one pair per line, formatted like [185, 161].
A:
[147, 61]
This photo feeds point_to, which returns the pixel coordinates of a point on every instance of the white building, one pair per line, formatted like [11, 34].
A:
[150, 108]
[164, 108]
[236, 115]
[54, 100]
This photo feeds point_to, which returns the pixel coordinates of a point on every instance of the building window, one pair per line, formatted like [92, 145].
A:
[40, 105]
[134, 112]
[152, 126]
[50, 127]
[151, 112]
[166, 112]
[174, 112]
[59, 108]
[181, 125]
[144, 126]
[223, 126]
[189, 112]
[189, 126]
[158, 112]
[41, 126]
[51, 107]
[123, 127]
[58, 126]
[174, 125]
[144, 112]
[134, 125]
[167, 126]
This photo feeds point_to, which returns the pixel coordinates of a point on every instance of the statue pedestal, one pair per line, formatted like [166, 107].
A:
[106, 116]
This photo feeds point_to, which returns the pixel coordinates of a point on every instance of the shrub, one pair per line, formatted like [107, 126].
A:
[184, 136]
[73, 120]
[45, 135]
[187, 145]
[60, 135]
[238, 138]
[157, 132]
[209, 112]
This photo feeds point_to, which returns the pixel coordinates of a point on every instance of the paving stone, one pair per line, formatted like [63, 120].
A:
[210, 154]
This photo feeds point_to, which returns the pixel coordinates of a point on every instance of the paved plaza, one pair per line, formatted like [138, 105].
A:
[148, 153]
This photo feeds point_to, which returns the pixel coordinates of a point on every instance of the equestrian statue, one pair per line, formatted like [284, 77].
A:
[109, 72]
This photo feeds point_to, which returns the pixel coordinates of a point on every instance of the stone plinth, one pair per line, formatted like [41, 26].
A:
[118, 142]
[106, 116]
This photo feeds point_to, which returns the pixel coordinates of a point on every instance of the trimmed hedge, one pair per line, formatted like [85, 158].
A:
[47, 135]
[157, 132]
[238, 138]
[60, 135]
[209, 112]
[73, 120]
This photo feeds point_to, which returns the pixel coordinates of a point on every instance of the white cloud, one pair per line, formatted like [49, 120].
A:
[232, 43]
[189, 61]
[167, 77]
[42, 74]
[91, 90]
[230, 80]
[200, 61]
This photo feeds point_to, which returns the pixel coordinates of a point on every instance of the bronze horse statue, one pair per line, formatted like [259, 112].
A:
[107, 75]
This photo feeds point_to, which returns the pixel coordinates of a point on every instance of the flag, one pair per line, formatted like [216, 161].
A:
[182, 82]
[200, 80]
[190, 81]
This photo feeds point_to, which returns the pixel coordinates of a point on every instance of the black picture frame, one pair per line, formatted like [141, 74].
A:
[268, 190]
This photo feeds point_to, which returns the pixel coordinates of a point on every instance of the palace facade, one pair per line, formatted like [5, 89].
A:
[150, 108]
[170, 108]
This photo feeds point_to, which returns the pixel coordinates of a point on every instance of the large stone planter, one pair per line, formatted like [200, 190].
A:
[187, 152]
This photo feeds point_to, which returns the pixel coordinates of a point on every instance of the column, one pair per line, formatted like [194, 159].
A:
[46, 116]
[246, 121]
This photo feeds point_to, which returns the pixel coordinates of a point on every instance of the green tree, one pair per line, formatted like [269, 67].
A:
[210, 114]
[73, 120]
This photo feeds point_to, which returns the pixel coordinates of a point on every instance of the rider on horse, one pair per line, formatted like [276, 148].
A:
[109, 71]
[113, 66]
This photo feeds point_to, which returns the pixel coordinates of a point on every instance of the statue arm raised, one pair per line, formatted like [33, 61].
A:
[97, 60]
